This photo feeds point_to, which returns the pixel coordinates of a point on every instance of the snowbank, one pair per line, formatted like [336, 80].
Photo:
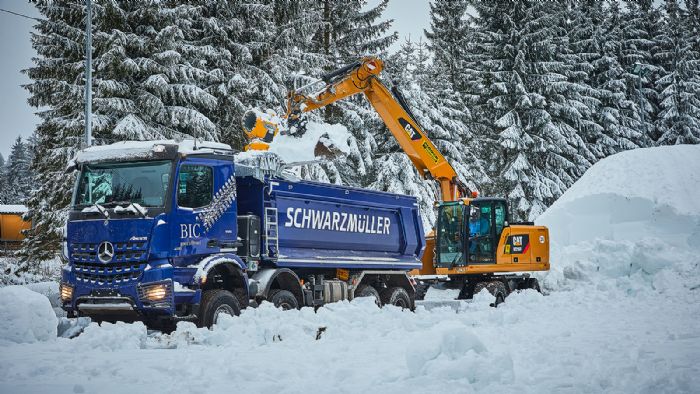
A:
[25, 316]
[634, 213]
[580, 341]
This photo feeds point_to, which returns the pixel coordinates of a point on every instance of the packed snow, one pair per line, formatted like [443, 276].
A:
[25, 316]
[619, 314]
[635, 213]
[293, 148]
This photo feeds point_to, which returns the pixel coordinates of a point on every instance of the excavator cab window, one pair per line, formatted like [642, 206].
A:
[450, 235]
[481, 232]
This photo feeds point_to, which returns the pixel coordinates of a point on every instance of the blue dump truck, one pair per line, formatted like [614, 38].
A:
[164, 231]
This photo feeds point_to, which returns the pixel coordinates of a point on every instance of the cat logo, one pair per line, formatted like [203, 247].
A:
[410, 130]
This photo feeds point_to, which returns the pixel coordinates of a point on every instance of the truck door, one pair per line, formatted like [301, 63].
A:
[206, 219]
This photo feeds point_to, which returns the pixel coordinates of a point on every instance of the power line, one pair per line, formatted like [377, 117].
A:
[22, 15]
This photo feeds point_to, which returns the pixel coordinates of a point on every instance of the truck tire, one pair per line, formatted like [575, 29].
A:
[368, 291]
[496, 288]
[216, 303]
[283, 299]
[397, 296]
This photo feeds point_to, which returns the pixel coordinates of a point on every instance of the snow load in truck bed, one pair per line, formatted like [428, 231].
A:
[634, 212]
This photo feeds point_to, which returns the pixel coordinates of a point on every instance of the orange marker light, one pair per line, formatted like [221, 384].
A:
[475, 194]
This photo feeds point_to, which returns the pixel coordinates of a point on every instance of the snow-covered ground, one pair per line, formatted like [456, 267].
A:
[620, 315]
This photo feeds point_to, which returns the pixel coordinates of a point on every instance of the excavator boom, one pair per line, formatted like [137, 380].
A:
[362, 77]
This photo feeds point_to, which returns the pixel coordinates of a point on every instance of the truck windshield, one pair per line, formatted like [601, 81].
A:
[450, 223]
[143, 183]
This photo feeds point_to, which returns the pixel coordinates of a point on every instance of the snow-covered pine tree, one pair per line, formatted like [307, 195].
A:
[640, 26]
[350, 30]
[228, 39]
[448, 30]
[678, 85]
[58, 88]
[150, 75]
[617, 114]
[18, 180]
[292, 56]
[593, 31]
[534, 151]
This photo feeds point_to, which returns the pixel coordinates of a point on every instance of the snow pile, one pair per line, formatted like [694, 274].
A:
[109, 337]
[633, 217]
[25, 316]
[294, 149]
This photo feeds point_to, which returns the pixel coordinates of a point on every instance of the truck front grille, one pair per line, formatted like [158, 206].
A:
[108, 274]
[127, 265]
[124, 252]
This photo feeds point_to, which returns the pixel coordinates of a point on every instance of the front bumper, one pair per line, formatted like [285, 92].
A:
[133, 300]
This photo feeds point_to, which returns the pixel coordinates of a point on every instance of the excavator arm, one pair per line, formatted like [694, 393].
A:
[362, 77]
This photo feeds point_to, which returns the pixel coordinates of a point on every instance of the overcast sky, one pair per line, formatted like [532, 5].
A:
[17, 117]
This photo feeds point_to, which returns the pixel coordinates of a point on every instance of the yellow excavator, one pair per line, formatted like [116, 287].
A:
[474, 244]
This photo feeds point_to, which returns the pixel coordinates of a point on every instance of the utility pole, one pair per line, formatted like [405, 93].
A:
[88, 73]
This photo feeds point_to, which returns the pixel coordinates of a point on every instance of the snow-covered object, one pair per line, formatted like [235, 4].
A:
[25, 316]
[12, 208]
[143, 149]
[632, 218]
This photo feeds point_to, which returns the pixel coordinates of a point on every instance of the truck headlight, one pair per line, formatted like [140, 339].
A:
[156, 292]
[66, 292]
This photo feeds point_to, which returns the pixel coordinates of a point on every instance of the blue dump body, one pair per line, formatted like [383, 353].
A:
[148, 236]
[330, 226]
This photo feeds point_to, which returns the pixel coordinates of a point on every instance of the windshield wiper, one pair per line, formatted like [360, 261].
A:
[115, 203]
[138, 208]
[131, 207]
[96, 208]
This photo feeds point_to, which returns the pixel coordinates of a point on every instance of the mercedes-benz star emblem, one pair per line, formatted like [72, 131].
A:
[105, 252]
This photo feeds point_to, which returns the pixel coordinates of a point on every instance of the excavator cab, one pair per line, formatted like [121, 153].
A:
[468, 231]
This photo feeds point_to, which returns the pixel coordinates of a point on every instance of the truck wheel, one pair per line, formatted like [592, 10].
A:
[397, 296]
[216, 303]
[283, 299]
[368, 291]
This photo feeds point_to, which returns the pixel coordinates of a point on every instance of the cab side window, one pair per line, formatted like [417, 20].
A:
[195, 186]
